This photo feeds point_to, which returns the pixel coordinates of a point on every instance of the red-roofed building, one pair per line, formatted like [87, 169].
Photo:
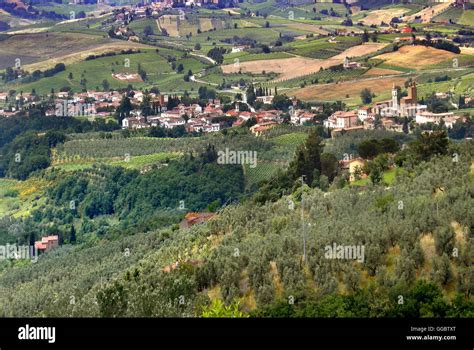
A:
[47, 243]
[232, 113]
[259, 129]
[192, 219]
[342, 120]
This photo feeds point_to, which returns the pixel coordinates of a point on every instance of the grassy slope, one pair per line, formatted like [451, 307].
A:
[159, 73]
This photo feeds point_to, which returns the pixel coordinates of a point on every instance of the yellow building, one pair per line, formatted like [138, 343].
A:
[351, 166]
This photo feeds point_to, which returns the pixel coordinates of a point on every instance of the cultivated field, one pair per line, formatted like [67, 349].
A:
[53, 48]
[306, 26]
[429, 13]
[416, 57]
[290, 68]
[30, 48]
[350, 89]
[159, 72]
[378, 16]
[176, 26]
[467, 18]
[359, 50]
[381, 71]
[467, 50]
[113, 46]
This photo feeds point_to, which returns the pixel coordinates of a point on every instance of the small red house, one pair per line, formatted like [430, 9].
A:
[192, 219]
[47, 243]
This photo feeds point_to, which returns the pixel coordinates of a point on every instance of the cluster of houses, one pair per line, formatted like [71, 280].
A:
[67, 104]
[210, 118]
[390, 111]
[194, 117]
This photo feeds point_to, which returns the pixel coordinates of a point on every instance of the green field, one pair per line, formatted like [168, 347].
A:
[387, 178]
[270, 9]
[246, 56]
[263, 171]
[66, 8]
[321, 48]
[9, 201]
[234, 78]
[454, 14]
[293, 139]
[132, 162]
[467, 18]
[460, 85]
[159, 73]
[17, 198]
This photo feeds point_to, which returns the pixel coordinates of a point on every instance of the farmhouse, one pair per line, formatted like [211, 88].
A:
[47, 243]
[130, 77]
[240, 48]
[341, 131]
[266, 100]
[353, 166]
[259, 129]
[350, 65]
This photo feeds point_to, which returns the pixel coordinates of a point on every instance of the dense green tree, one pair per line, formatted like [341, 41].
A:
[366, 96]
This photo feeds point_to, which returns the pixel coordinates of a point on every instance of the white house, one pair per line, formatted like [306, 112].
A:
[266, 100]
[240, 48]
[363, 113]
[170, 123]
[427, 117]
[137, 122]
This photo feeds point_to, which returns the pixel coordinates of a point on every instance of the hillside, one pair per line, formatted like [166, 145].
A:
[256, 158]
[252, 254]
